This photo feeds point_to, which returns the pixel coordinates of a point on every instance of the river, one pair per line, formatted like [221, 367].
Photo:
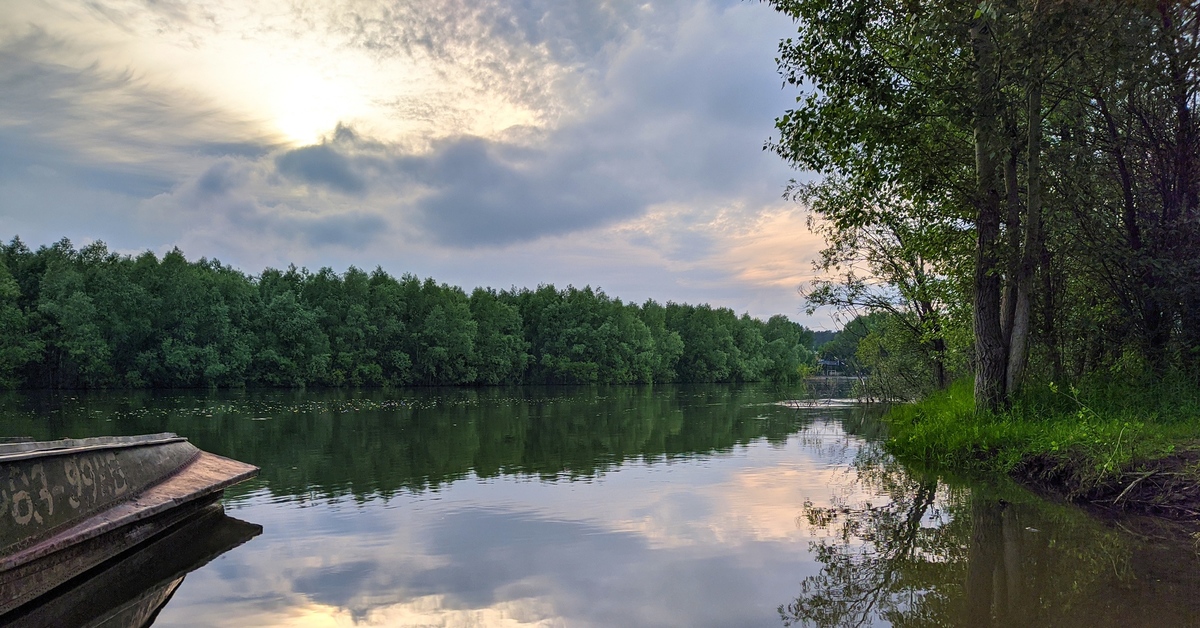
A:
[616, 506]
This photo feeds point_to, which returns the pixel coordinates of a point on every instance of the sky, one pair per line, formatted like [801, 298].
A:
[481, 142]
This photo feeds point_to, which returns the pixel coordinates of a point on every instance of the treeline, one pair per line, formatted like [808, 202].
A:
[91, 318]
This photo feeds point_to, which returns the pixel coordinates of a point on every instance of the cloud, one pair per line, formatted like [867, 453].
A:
[240, 199]
[613, 143]
[676, 119]
[679, 119]
[105, 128]
[347, 230]
[483, 193]
[538, 52]
[219, 180]
[321, 164]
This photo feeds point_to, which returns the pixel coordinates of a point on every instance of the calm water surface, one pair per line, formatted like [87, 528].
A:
[664, 506]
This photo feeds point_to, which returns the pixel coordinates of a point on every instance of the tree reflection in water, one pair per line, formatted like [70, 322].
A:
[876, 557]
[937, 552]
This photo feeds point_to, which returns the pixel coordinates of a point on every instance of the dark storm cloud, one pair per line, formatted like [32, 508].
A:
[479, 197]
[321, 164]
[232, 195]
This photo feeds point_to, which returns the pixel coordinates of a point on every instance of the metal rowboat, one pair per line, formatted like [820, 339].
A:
[69, 505]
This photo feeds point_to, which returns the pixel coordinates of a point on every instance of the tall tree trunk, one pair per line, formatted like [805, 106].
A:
[1144, 291]
[1012, 226]
[1184, 26]
[1018, 348]
[990, 353]
[939, 361]
[1050, 293]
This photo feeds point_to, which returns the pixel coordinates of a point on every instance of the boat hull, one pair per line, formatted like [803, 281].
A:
[47, 487]
[68, 506]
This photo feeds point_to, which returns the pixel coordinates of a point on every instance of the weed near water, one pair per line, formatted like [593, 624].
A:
[1081, 437]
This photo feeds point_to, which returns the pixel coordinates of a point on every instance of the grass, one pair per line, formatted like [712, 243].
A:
[1088, 439]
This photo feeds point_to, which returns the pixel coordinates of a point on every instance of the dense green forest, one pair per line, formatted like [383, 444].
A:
[91, 318]
[1008, 190]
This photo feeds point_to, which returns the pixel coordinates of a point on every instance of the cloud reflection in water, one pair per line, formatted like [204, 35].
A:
[698, 543]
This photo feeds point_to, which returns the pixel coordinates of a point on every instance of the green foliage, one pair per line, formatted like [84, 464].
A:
[1034, 161]
[1087, 434]
[77, 349]
[17, 347]
[843, 346]
[900, 366]
[787, 352]
[710, 353]
[500, 347]
[90, 318]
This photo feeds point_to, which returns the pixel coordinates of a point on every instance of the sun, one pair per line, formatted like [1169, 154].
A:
[307, 106]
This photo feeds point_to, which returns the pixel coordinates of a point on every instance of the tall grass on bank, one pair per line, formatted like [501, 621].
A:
[1087, 434]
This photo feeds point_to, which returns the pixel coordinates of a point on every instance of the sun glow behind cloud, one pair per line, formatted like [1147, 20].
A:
[304, 103]
[493, 142]
[288, 69]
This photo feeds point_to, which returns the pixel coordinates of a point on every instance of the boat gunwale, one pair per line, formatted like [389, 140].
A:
[69, 446]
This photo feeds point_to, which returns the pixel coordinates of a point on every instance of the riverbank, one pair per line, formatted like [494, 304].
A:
[1129, 446]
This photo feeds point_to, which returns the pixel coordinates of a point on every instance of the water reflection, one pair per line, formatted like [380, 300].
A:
[937, 553]
[664, 506]
[130, 590]
[368, 443]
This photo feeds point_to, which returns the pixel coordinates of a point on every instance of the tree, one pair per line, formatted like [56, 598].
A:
[905, 261]
[936, 122]
[501, 352]
[17, 346]
[668, 345]
[94, 318]
[292, 349]
[788, 350]
[710, 352]
[79, 352]
[447, 344]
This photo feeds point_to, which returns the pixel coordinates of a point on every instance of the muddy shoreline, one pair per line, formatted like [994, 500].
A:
[1158, 498]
